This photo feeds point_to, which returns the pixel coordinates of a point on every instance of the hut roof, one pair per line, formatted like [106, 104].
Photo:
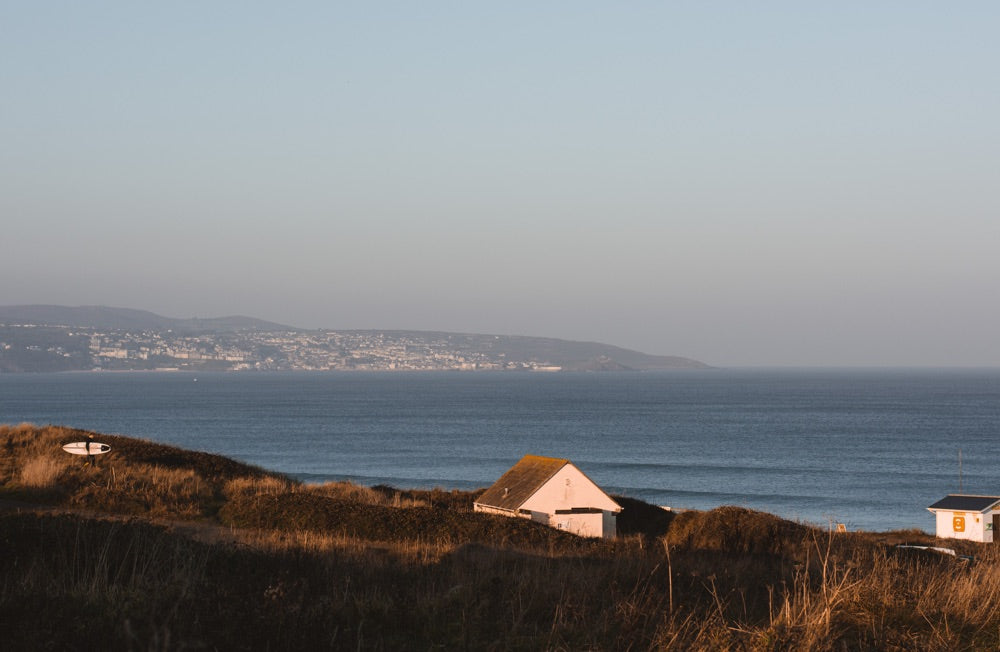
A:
[521, 481]
[965, 503]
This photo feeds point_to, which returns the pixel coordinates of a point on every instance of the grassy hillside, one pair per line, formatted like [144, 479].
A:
[161, 548]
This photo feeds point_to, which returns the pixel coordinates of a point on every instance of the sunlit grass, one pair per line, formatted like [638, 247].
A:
[240, 558]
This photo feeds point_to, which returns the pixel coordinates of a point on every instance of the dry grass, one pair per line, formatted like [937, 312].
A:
[366, 495]
[136, 477]
[23, 444]
[349, 567]
[145, 489]
[262, 486]
[348, 547]
[42, 472]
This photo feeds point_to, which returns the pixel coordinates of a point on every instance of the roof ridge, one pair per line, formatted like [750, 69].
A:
[543, 457]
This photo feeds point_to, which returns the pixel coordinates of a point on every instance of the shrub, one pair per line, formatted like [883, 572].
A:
[737, 530]
[42, 472]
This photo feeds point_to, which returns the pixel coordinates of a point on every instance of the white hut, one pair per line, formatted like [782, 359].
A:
[961, 516]
[552, 491]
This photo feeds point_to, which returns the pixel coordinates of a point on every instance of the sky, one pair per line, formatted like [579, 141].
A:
[747, 184]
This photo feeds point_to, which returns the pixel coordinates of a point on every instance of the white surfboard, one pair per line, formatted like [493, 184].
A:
[86, 448]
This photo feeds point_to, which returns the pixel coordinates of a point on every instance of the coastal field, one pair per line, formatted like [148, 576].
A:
[155, 547]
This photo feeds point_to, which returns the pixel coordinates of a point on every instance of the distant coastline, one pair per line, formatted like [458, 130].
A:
[98, 338]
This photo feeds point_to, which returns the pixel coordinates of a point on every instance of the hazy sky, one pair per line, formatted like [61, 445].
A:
[767, 183]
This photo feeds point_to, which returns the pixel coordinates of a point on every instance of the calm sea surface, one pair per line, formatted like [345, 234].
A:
[868, 448]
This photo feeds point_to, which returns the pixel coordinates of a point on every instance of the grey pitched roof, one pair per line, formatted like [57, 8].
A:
[521, 481]
[964, 503]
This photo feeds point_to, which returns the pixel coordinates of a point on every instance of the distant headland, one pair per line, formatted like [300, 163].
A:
[45, 338]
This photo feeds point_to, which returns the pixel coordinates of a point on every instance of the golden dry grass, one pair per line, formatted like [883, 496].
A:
[366, 495]
[42, 472]
[345, 566]
[266, 485]
[135, 477]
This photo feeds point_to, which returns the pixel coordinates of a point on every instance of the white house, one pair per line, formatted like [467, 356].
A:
[960, 516]
[552, 491]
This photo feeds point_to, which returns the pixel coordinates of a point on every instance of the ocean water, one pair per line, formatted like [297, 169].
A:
[867, 448]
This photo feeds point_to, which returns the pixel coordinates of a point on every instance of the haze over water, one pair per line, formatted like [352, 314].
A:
[868, 448]
[778, 183]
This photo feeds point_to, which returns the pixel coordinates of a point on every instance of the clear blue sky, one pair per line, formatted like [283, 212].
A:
[779, 183]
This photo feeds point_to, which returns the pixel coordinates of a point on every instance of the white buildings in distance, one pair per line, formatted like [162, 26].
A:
[254, 350]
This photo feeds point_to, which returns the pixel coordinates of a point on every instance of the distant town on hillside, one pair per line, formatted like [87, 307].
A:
[60, 338]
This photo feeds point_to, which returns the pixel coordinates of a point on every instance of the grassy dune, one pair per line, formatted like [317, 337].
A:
[161, 548]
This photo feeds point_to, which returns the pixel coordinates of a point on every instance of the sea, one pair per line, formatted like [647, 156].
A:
[868, 448]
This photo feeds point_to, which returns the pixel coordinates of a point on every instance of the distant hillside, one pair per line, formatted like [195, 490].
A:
[107, 318]
[569, 354]
[60, 338]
